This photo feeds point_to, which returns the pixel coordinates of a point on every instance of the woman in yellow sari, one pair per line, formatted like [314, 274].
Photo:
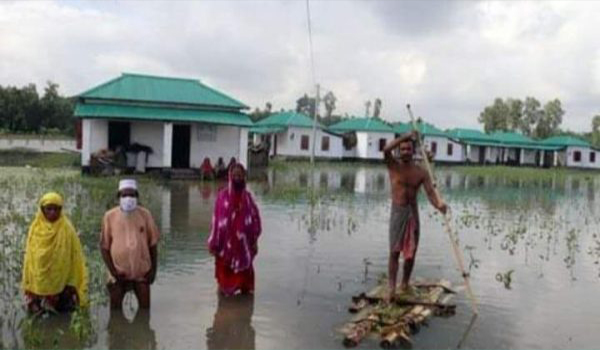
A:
[54, 272]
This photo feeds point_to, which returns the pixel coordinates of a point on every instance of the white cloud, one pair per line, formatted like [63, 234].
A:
[448, 59]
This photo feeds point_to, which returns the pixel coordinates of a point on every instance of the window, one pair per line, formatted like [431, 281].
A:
[304, 141]
[577, 156]
[450, 149]
[206, 132]
[434, 147]
[592, 157]
[325, 143]
[382, 143]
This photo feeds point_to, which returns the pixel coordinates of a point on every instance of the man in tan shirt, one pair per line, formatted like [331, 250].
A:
[128, 244]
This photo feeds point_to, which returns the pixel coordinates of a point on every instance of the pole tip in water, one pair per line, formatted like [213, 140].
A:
[408, 105]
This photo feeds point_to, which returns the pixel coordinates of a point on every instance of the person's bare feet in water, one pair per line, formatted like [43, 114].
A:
[390, 298]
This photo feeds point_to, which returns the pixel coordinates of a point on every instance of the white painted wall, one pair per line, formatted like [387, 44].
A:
[441, 153]
[39, 144]
[149, 134]
[585, 157]
[94, 138]
[289, 143]
[226, 145]
[528, 157]
[367, 144]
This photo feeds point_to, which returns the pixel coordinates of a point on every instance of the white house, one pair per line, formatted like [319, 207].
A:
[479, 148]
[182, 121]
[573, 152]
[445, 148]
[364, 138]
[290, 134]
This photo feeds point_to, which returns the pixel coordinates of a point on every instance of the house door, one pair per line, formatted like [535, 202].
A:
[482, 150]
[119, 134]
[180, 155]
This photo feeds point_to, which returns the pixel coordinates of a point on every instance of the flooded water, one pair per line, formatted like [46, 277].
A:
[317, 251]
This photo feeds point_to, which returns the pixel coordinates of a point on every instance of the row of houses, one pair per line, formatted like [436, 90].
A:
[181, 122]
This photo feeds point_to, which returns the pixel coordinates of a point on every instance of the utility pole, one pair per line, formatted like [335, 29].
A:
[314, 136]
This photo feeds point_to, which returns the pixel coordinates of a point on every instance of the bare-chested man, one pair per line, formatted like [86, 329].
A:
[406, 178]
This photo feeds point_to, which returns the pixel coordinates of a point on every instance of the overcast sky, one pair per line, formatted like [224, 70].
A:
[448, 59]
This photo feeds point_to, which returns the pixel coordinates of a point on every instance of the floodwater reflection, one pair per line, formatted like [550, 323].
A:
[134, 334]
[232, 324]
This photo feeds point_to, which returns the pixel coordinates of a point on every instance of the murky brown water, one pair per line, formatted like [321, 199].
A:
[315, 254]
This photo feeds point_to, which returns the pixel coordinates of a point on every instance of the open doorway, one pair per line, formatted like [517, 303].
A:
[180, 155]
[119, 134]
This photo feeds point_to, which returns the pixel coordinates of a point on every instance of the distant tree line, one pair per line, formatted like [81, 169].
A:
[23, 110]
[531, 119]
[525, 116]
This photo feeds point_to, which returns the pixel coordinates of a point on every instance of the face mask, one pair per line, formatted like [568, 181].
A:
[128, 203]
[239, 185]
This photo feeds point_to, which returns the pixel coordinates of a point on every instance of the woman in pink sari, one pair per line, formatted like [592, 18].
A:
[234, 235]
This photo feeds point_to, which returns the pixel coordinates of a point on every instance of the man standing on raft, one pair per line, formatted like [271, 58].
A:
[406, 178]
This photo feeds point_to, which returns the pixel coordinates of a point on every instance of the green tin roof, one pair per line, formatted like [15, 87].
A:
[267, 129]
[286, 119]
[118, 111]
[423, 127]
[473, 135]
[148, 88]
[361, 124]
[512, 138]
[564, 141]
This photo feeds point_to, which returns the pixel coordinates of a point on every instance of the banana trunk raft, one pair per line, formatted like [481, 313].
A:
[395, 322]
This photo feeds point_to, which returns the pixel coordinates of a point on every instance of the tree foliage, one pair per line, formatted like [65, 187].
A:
[22, 110]
[527, 117]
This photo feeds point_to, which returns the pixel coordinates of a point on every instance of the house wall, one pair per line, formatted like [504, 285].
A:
[585, 157]
[223, 141]
[94, 138]
[442, 149]
[367, 144]
[149, 134]
[39, 144]
[528, 157]
[289, 143]
[473, 154]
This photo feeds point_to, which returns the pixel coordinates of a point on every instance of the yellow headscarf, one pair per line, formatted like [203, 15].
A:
[53, 255]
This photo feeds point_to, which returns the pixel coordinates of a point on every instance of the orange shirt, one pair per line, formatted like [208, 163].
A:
[128, 237]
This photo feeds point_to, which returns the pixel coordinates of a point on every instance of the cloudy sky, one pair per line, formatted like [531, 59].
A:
[448, 59]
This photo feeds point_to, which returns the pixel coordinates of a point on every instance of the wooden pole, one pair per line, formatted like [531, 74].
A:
[457, 253]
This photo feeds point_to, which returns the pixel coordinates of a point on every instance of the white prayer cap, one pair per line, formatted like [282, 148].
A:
[127, 183]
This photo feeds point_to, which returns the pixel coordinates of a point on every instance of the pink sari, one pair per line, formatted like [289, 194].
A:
[235, 229]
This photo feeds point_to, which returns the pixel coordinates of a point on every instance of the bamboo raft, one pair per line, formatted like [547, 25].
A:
[396, 322]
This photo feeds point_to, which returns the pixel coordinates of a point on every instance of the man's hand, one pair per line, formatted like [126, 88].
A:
[414, 135]
[151, 275]
[443, 207]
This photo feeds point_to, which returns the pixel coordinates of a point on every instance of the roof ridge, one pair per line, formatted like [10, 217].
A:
[220, 93]
[124, 74]
[95, 88]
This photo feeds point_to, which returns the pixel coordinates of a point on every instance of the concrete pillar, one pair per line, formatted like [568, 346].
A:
[243, 156]
[86, 142]
[167, 144]
[542, 155]
[555, 159]
[468, 156]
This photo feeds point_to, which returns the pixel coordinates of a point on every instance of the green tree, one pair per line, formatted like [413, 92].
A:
[377, 108]
[596, 130]
[329, 101]
[531, 115]
[495, 117]
[550, 119]
[515, 114]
